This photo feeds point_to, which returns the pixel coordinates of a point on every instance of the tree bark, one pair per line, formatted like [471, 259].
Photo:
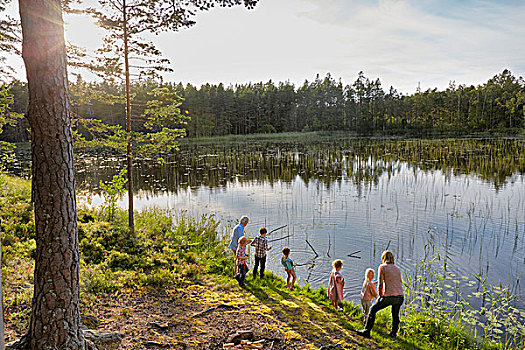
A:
[55, 316]
[129, 151]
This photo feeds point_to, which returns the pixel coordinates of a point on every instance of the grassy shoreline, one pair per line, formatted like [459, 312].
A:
[172, 258]
[408, 134]
[518, 134]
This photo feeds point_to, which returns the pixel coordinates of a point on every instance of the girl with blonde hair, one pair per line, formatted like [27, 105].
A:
[368, 293]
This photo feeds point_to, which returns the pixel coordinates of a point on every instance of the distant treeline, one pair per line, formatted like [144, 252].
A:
[324, 104]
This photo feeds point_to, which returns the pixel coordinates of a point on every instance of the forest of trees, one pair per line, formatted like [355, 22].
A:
[324, 104]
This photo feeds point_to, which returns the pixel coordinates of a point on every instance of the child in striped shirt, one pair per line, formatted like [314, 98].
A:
[240, 260]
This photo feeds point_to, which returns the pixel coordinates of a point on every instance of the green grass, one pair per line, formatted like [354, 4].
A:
[317, 135]
[165, 253]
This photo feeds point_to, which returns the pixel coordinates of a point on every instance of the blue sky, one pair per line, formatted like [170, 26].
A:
[402, 42]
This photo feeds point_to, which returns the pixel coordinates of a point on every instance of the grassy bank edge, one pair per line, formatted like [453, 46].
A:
[314, 135]
[117, 268]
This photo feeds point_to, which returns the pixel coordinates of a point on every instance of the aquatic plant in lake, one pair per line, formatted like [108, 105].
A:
[433, 290]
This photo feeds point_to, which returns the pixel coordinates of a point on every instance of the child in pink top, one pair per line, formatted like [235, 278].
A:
[368, 293]
[336, 284]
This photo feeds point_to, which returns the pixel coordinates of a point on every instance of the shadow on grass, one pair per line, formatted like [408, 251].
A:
[307, 312]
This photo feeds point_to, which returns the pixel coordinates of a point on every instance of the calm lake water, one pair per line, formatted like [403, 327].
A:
[462, 199]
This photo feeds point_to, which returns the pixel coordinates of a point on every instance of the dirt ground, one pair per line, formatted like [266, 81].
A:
[202, 315]
[137, 315]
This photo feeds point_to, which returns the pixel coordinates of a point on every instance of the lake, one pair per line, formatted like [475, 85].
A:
[460, 201]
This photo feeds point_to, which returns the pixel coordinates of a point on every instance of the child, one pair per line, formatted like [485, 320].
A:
[240, 260]
[335, 284]
[368, 293]
[261, 247]
[288, 267]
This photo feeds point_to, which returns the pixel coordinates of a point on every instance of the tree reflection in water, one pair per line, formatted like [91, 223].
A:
[327, 161]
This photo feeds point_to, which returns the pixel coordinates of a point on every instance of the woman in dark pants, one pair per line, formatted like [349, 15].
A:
[390, 294]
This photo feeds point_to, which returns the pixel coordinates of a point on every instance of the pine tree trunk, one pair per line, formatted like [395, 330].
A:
[129, 151]
[55, 315]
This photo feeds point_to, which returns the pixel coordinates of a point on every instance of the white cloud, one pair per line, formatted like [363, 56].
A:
[402, 42]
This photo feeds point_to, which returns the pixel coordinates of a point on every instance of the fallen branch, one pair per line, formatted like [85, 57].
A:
[352, 255]
[155, 344]
[316, 255]
[210, 309]
[245, 344]
[329, 246]
[162, 327]
[239, 337]
[330, 346]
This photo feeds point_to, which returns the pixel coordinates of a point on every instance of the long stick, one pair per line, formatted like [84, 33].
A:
[2, 338]
[352, 255]
[312, 248]
[278, 239]
[278, 228]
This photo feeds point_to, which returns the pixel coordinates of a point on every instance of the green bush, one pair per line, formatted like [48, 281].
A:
[158, 278]
[92, 250]
[118, 260]
[99, 280]
[221, 265]
[443, 332]
[85, 217]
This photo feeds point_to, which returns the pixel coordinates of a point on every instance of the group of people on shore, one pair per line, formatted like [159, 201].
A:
[387, 290]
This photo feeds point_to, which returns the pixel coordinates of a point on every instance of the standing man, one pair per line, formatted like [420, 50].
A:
[238, 232]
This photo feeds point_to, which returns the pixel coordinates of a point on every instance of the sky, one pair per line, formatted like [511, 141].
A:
[404, 43]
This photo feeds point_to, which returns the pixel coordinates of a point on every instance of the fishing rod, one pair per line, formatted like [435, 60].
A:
[276, 229]
[278, 239]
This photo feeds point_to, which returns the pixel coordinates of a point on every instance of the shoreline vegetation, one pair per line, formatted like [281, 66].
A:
[430, 134]
[174, 272]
